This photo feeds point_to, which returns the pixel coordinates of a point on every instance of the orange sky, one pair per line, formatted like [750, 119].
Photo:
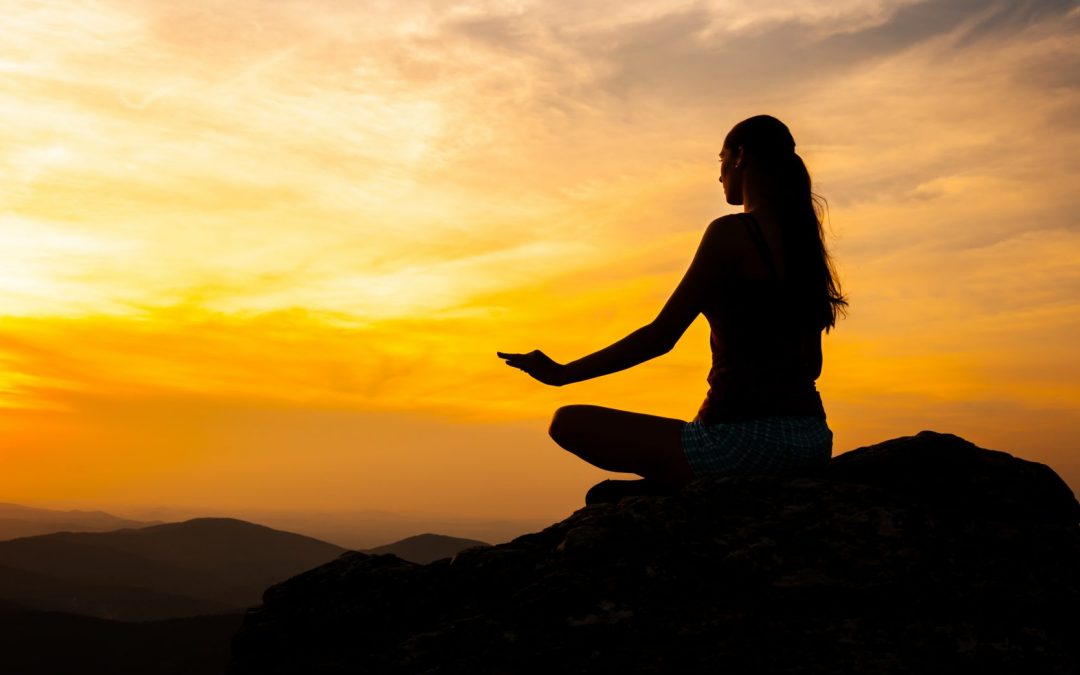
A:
[262, 254]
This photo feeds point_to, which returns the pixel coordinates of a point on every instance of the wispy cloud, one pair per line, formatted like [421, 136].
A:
[355, 204]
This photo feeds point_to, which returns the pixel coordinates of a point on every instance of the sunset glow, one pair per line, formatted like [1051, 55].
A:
[263, 254]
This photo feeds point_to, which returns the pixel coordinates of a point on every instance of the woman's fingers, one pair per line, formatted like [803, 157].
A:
[525, 362]
[537, 365]
[512, 360]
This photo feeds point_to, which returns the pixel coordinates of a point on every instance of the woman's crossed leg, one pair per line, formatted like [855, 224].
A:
[617, 440]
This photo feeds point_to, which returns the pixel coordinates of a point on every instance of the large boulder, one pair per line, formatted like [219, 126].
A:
[921, 554]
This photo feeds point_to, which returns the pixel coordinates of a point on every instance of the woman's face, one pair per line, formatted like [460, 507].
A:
[729, 177]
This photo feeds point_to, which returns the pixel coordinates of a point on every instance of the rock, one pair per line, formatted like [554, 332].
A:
[951, 474]
[921, 554]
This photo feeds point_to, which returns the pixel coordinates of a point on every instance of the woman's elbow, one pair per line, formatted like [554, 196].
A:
[662, 341]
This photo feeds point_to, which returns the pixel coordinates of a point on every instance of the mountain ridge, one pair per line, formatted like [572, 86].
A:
[171, 570]
[17, 521]
[426, 547]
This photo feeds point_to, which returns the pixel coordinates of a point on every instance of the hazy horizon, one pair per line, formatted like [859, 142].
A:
[261, 255]
[356, 529]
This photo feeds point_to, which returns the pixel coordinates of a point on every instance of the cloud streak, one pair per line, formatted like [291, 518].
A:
[305, 208]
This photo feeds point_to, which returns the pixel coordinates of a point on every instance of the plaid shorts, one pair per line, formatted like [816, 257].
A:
[781, 445]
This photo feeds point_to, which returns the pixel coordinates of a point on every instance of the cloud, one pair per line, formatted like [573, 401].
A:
[354, 206]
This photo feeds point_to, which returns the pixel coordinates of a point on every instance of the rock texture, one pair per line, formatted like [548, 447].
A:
[922, 554]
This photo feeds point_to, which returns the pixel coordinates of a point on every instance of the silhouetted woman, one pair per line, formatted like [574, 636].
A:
[765, 282]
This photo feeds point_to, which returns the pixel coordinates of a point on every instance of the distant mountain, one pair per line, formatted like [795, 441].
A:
[47, 643]
[201, 566]
[426, 548]
[26, 521]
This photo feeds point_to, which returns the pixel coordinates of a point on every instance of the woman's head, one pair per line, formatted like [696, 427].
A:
[759, 168]
[756, 152]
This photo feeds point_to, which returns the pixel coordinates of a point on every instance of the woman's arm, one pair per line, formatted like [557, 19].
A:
[660, 336]
[647, 342]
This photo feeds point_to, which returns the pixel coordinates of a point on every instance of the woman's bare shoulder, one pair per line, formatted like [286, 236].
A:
[730, 247]
[724, 236]
[728, 228]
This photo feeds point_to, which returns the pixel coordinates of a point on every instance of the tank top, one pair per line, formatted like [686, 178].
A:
[764, 360]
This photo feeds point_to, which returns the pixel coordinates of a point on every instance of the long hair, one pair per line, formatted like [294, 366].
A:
[769, 152]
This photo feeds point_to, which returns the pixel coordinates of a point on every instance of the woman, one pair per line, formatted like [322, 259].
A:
[765, 282]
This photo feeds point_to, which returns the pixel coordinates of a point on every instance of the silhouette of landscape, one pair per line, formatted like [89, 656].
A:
[163, 598]
[206, 565]
[964, 550]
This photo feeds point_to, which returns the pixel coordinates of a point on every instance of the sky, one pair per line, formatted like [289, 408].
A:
[260, 255]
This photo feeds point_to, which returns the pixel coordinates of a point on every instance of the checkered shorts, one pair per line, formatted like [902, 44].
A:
[783, 445]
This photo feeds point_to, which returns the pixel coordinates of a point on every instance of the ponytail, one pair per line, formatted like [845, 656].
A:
[785, 183]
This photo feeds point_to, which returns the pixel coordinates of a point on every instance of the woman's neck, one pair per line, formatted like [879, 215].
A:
[752, 198]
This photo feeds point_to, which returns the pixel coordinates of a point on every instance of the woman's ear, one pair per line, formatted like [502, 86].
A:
[738, 157]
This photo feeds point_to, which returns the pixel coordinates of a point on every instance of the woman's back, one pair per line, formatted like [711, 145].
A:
[766, 352]
[750, 263]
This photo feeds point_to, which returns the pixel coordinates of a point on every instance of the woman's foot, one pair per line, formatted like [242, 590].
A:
[611, 491]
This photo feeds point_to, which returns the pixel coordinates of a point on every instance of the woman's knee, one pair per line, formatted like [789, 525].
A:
[565, 423]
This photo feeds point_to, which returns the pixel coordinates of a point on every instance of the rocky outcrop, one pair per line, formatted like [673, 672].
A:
[922, 554]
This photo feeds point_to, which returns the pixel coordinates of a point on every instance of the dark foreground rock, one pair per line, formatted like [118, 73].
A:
[922, 554]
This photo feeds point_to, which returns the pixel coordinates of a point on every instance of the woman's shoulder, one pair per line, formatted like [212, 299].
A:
[726, 238]
[727, 221]
[725, 230]
[741, 243]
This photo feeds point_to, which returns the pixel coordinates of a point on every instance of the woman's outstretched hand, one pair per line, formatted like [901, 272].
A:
[538, 365]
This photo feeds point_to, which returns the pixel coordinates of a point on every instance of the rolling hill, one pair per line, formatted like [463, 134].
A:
[200, 566]
[425, 548]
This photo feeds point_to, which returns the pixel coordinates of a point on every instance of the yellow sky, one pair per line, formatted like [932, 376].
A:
[262, 254]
